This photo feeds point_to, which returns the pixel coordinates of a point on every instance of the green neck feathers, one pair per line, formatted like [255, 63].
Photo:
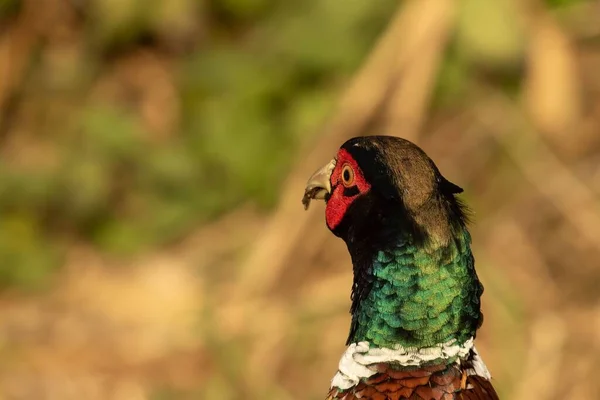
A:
[419, 296]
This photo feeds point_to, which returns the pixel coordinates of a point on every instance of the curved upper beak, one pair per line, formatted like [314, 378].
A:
[319, 184]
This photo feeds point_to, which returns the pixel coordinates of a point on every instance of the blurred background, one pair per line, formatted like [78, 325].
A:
[153, 155]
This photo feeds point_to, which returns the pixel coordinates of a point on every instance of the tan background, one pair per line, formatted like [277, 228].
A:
[153, 156]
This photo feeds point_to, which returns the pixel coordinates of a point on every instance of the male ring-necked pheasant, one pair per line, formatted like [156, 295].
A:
[416, 296]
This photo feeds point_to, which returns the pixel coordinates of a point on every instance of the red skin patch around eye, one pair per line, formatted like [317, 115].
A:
[338, 203]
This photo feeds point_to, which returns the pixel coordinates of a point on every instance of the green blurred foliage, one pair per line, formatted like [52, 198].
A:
[254, 80]
[564, 3]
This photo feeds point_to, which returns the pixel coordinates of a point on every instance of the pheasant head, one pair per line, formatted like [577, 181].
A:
[415, 296]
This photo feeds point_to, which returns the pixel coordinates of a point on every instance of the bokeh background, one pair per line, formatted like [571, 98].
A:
[153, 154]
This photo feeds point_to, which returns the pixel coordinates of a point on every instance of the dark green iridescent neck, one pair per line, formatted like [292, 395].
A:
[420, 295]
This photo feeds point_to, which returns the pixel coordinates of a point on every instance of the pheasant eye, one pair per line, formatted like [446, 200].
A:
[347, 175]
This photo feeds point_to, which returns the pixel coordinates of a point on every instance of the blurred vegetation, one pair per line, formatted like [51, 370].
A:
[241, 83]
[137, 132]
[227, 93]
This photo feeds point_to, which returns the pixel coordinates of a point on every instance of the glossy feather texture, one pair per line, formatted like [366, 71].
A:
[440, 382]
[419, 296]
[415, 288]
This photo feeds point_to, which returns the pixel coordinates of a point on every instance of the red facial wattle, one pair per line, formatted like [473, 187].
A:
[347, 184]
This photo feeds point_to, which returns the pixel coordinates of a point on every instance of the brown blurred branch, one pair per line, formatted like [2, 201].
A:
[16, 43]
[553, 95]
[544, 170]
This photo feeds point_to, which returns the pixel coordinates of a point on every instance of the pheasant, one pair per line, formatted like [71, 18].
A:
[415, 294]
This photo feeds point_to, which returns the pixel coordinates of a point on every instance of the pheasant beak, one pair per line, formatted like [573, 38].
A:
[319, 184]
